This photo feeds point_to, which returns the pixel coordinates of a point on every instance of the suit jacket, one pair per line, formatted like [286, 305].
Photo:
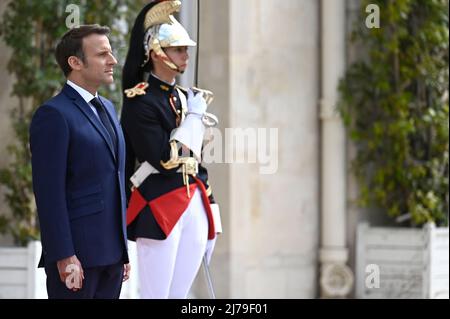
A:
[148, 121]
[78, 182]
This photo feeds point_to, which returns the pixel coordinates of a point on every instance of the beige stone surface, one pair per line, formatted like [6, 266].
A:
[273, 81]
[264, 79]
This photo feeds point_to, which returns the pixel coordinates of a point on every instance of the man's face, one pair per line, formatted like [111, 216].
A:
[179, 56]
[99, 60]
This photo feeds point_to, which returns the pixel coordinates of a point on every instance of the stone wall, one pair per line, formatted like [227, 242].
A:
[265, 79]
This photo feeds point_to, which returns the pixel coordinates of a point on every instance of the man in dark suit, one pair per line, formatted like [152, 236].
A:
[78, 160]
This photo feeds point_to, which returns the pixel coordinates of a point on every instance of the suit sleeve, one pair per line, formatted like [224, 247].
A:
[146, 139]
[49, 143]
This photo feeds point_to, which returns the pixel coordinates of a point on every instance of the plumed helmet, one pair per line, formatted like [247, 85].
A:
[162, 30]
[173, 35]
[155, 28]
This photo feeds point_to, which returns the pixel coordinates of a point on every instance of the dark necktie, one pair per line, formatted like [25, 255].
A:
[105, 120]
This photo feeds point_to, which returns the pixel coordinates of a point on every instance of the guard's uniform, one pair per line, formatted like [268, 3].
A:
[170, 210]
[147, 122]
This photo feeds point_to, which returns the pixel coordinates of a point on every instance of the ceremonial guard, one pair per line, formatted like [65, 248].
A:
[171, 213]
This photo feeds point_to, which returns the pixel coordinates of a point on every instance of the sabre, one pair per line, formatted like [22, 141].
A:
[212, 295]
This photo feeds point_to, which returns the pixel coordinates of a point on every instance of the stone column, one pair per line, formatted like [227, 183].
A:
[274, 83]
[263, 80]
[336, 278]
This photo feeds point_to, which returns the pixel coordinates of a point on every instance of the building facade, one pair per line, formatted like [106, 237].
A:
[273, 67]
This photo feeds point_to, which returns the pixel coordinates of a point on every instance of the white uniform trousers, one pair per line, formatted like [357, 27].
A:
[167, 268]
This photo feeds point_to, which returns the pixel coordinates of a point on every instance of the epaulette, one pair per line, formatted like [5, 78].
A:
[139, 89]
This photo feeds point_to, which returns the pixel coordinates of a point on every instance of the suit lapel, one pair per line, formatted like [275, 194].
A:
[86, 110]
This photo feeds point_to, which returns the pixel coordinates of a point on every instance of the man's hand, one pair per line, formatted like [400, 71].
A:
[126, 272]
[71, 272]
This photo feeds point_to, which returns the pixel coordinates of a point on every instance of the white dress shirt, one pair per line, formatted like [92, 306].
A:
[86, 95]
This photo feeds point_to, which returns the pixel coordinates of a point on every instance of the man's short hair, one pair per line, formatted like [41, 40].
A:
[71, 44]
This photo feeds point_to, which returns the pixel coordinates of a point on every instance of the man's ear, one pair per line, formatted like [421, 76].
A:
[75, 63]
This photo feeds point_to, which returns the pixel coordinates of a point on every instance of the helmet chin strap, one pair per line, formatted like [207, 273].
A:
[173, 66]
[167, 61]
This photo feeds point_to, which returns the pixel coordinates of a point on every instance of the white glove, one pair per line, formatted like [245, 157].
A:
[210, 248]
[196, 104]
[216, 218]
